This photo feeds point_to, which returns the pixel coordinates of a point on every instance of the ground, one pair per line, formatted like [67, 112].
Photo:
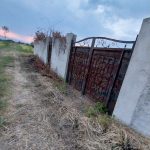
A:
[41, 115]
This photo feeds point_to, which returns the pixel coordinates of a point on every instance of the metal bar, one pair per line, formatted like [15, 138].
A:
[105, 49]
[110, 39]
[88, 64]
[111, 49]
[115, 78]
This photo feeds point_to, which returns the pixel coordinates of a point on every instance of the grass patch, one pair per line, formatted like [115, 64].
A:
[2, 121]
[98, 108]
[62, 87]
[24, 48]
[4, 81]
[3, 104]
[105, 121]
[4, 44]
[100, 113]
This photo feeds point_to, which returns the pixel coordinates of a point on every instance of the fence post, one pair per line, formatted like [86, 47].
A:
[133, 104]
[88, 64]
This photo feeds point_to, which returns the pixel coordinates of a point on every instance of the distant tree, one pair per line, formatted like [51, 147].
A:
[5, 30]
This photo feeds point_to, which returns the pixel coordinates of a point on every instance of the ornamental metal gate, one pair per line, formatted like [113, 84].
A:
[97, 68]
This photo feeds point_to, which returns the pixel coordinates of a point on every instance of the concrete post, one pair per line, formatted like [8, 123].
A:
[41, 49]
[60, 58]
[133, 104]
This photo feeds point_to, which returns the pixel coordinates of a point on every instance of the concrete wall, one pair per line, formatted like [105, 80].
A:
[60, 55]
[41, 49]
[133, 104]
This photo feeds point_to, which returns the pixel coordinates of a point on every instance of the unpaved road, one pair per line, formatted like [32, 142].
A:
[40, 117]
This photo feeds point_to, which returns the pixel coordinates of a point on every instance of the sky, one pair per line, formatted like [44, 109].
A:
[119, 19]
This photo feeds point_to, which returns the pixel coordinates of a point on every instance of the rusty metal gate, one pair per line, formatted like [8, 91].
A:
[97, 68]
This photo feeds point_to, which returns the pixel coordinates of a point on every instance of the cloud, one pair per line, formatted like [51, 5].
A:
[15, 36]
[112, 18]
[123, 28]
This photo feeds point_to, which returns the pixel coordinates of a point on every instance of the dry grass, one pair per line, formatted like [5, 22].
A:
[97, 133]
[46, 119]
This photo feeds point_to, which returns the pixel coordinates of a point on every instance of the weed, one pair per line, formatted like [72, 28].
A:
[98, 108]
[105, 121]
[62, 87]
[91, 112]
[2, 121]
[3, 104]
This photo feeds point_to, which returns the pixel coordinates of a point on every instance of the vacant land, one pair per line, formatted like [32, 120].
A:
[39, 112]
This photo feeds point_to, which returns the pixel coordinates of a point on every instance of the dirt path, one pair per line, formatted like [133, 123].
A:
[38, 118]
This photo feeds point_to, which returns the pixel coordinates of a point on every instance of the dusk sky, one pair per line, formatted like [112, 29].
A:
[120, 19]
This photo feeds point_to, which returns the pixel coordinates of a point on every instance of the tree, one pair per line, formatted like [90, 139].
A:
[5, 30]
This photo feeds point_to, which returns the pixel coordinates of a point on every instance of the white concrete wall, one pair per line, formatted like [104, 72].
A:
[60, 55]
[133, 104]
[40, 49]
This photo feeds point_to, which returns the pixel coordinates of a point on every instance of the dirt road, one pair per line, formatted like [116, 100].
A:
[40, 117]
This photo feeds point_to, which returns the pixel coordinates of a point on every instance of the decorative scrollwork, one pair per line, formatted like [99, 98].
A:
[103, 42]
[84, 43]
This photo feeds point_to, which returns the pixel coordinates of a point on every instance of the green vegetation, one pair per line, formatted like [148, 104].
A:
[104, 120]
[4, 62]
[99, 111]
[20, 47]
[99, 108]
[6, 59]
[24, 48]
[4, 44]
[4, 84]
[2, 121]
[62, 87]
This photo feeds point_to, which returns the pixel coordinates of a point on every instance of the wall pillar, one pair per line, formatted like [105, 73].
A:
[133, 104]
[60, 55]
